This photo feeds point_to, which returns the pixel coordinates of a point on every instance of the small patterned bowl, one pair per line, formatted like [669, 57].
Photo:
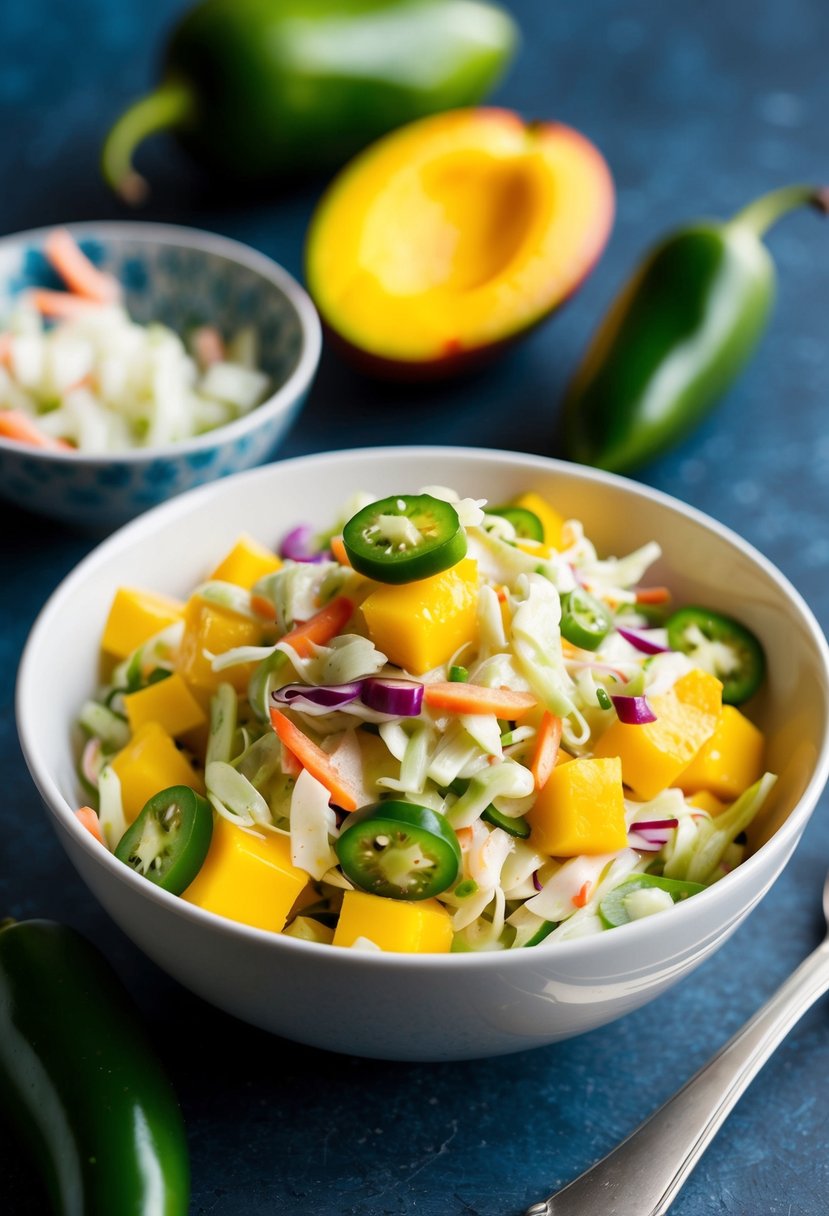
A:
[181, 277]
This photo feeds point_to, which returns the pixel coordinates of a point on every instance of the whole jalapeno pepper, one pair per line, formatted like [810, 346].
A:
[260, 90]
[81, 1083]
[677, 336]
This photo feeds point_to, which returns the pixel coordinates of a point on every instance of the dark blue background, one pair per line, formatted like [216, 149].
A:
[698, 105]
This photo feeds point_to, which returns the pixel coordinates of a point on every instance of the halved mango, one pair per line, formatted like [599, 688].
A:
[454, 234]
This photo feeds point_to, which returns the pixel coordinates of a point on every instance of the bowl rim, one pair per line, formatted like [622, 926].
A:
[165, 514]
[172, 235]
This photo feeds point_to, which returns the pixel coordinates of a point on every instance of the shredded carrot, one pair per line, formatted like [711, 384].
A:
[652, 595]
[5, 349]
[14, 424]
[262, 606]
[291, 767]
[547, 741]
[319, 629]
[208, 345]
[584, 894]
[86, 816]
[78, 273]
[465, 837]
[62, 305]
[460, 698]
[337, 547]
[312, 757]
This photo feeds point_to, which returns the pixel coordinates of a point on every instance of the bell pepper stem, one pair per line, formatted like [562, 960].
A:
[170, 105]
[765, 211]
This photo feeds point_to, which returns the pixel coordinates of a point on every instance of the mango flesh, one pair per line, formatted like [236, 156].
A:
[454, 234]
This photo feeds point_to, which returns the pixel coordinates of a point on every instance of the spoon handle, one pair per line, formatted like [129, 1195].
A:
[644, 1174]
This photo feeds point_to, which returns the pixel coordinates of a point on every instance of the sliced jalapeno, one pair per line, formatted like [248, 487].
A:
[612, 910]
[721, 646]
[404, 538]
[585, 621]
[544, 931]
[168, 842]
[515, 826]
[399, 850]
[526, 523]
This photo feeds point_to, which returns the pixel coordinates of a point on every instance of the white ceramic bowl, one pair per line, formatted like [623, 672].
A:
[181, 277]
[440, 1006]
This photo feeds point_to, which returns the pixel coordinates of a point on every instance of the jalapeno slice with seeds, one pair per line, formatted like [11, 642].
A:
[721, 646]
[585, 621]
[399, 850]
[168, 842]
[526, 523]
[612, 910]
[404, 538]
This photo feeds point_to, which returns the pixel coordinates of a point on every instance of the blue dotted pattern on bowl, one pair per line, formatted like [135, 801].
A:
[180, 287]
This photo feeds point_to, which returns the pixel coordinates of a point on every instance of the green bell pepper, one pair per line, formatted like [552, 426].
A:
[677, 336]
[81, 1083]
[259, 90]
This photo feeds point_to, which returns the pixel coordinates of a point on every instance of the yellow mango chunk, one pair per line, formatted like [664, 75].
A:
[215, 629]
[151, 762]
[551, 520]
[706, 801]
[654, 754]
[424, 927]
[247, 878]
[581, 809]
[420, 625]
[134, 617]
[729, 762]
[169, 702]
[246, 563]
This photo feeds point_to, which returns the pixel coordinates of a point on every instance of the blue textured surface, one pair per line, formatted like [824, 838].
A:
[698, 106]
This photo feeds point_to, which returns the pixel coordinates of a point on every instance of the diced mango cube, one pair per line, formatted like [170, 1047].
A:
[654, 754]
[420, 625]
[580, 809]
[551, 520]
[706, 801]
[246, 563]
[151, 762]
[424, 927]
[134, 617]
[248, 878]
[214, 629]
[730, 761]
[169, 702]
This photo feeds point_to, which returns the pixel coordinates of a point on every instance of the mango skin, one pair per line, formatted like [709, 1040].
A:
[550, 205]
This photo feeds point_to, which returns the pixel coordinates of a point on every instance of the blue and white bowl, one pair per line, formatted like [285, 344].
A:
[181, 277]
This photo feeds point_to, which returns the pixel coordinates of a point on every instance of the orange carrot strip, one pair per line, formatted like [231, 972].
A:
[312, 757]
[78, 273]
[319, 629]
[459, 698]
[62, 305]
[584, 894]
[86, 816]
[262, 606]
[652, 595]
[14, 424]
[545, 753]
[208, 345]
[338, 552]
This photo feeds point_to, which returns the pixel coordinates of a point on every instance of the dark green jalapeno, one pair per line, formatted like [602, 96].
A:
[677, 336]
[399, 850]
[265, 89]
[404, 538]
[722, 646]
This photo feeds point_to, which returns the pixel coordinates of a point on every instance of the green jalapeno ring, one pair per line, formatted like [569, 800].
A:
[169, 840]
[612, 911]
[585, 621]
[744, 674]
[399, 850]
[404, 538]
[526, 523]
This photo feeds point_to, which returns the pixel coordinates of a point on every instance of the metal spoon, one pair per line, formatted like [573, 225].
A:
[644, 1174]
